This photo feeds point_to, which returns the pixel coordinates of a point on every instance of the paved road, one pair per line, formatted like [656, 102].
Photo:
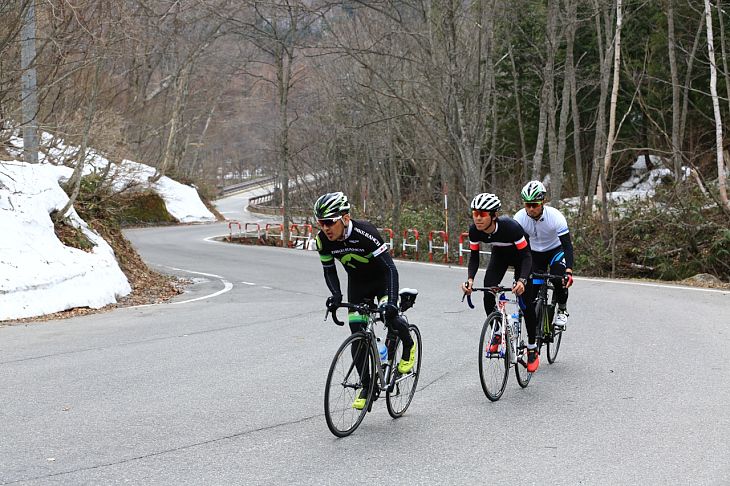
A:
[225, 385]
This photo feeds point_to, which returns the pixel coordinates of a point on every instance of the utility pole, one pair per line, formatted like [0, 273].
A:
[30, 95]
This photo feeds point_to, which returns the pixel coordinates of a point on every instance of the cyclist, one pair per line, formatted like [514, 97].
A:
[549, 242]
[370, 270]
[510, 247]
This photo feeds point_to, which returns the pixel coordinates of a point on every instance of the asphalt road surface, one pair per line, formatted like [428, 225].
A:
[225, 385]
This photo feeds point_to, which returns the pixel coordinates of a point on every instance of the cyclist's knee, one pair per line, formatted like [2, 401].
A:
[356, 321]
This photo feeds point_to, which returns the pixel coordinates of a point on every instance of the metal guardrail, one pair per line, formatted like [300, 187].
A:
[242, 186]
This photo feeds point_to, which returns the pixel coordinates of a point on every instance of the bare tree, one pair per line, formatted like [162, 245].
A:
[675, 141]
[610, 139]
[716, 107]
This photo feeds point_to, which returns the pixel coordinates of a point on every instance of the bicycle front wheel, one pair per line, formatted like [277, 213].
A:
[493, 366]
[523, 376]
[403, 386]
[351, 372]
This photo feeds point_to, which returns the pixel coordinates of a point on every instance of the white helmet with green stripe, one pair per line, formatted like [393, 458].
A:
[533, 191]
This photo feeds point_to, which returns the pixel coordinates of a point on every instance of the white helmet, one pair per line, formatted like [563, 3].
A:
[533, 191]
[486, 201]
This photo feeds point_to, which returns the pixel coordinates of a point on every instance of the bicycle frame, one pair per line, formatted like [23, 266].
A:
[542, 301]
[383, 370]
[505, 327]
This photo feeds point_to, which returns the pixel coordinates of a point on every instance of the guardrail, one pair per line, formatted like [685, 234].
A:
[444, 247]
[410, 245]
[463, 250]
[230, 231]
[242, 186]
[274, 235]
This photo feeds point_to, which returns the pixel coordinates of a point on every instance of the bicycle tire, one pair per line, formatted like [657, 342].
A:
[554, 346]
[523, 376]
[344, 382]
[403, 386]
[493, 367]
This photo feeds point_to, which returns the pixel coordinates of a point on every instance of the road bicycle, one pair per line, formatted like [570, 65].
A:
[548, 333]
[358, 360]
[495, 360]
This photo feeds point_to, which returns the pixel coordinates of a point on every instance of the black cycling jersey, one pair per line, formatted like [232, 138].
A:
[370, 270]
[364, 256]
[510, 244]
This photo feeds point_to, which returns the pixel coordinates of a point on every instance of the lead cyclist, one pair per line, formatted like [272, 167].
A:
[549, 242]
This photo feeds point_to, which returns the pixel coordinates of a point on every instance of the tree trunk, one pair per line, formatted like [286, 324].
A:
[541, 130]
[676, 141]
[716, 107]
[556, 184]
[688, 79]
[725, 72]
[612, 114]
[556, 167]
[283, 78]
[605, 53]
[73, 185]
[572, 8]
[178, 107]
[518, 108]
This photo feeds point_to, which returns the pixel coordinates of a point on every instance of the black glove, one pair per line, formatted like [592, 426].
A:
[334, 301]
[391, 312]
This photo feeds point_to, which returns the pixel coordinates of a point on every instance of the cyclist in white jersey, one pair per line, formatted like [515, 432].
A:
[549, 242]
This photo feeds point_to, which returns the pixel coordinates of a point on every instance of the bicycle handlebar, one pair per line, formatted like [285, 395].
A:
[365, 308]
[546, 276]
[494, 290]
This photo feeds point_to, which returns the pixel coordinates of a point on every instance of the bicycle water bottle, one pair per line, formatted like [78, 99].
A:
[515, 318]
[515, 324]
[383, 350]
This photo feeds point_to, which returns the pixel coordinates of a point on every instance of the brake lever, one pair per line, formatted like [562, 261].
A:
[468, 297]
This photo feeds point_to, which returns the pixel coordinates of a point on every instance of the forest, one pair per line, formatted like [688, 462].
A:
[398, 103]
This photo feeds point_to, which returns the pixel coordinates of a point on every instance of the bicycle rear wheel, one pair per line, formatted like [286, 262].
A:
[554, 346]
[523, 376]
[493, 367]
[403, 386]
[352, 362]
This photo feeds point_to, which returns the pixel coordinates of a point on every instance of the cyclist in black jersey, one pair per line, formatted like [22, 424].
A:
[371, 273]
[510, 247]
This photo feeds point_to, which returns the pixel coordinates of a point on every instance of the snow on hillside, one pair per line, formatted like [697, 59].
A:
[39, 274]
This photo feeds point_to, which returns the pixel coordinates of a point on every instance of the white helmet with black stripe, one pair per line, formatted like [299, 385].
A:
[486, 201]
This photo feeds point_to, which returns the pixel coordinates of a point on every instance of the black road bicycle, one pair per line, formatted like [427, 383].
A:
[357, 366]
[548, 333]
[510, 349]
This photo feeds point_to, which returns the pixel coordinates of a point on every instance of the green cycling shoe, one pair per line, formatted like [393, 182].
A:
[361, 400]
[406, 366]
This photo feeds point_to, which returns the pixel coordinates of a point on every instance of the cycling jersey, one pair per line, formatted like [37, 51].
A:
[370, 270]
[547, 233]
[509, 244]
[364, 256]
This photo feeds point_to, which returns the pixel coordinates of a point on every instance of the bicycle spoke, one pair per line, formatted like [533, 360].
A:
[349, 368]
[404, 385]
[493, 367]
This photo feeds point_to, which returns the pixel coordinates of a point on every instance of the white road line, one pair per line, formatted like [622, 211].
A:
[226, 285]
[652, 284]
[579, 278]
